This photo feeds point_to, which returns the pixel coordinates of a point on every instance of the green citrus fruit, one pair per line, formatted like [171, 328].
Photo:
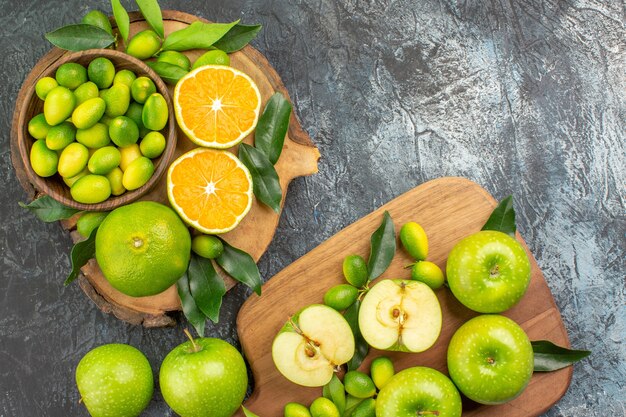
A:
[73, 159]
[117, 99]
[429, 273]
[44, 86]
[38, 128]
[123, 131]
[414, 240]
[341, 296]
[86, 91]
[115, 179]
[207, 246]
[153, 145]
[101, 72]
[88, 113]
[142, 88]
[89, 220]
[59, 105]
[71, 75]
[91, 189]
[43, 160]
[98, 19]
[95, 137]
[69, 181]
[155, 112]
[125, 77]
[135, 111]
[296, 410]
[359, 384]
[60, 136]
[355, 270]
[104, 160]
[129, 154]
[144, 44]
[175, 58]
[137, 173]
[213, 57]
[323, 407]
[381, 370]
[143, 248]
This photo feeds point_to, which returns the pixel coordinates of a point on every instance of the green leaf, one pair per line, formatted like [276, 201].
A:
[502, 218]
[121, 18]
[361, 347]
[80, 37]
[351, 404]
[190, 309]
[48, 209]
[247, 412]
[271, 129]
[239, 265]
[237, 37]
[151, 11]
[326, 392]
[265, 181]
[550, 357]
[382, 248]
[169, 72]
[81, 253]
[337, 393]
[207, 287]
[198, 35]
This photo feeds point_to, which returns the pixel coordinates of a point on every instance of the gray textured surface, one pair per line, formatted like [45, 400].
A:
[523, 97]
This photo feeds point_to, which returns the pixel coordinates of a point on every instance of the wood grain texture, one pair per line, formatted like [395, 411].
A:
[299, 157]
[449, 209]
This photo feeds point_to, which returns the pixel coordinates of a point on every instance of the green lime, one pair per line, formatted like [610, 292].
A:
[69, 181]
[175, 58]
[143, 248]
[60, 136]
[153, 145]
[123, 131]
[44, 86]
[414, 240]
[129, 154]
[38, 128]
[104, 160]
[367, 408]
[59, 105]
[323, 407]
[341, 296]
[135, 111]
[91, 189]
[355, 270]
[117, 99]
[115, 179]
[98, 19]
[101, 72]
[86, 91]
[137, 173]
[71, 75]
[125, 77]
[429, 273]
[207, 246]
[142, 88]
[88, 221]
[296, 410]
[381, 370]
[155, 112]
[43, 160]
[359, 384]
[73, 159]
[95, 137]
[212, 57]
[103, 93]
[144, 44]
[87, 114]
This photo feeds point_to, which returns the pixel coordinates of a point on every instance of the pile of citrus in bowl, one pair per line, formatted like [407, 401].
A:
[90, 129]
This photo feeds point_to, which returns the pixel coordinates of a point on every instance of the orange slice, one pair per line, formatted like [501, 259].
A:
[217, 106]
[210, 189]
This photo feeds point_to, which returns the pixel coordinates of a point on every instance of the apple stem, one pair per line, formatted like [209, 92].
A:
[80, 400]
[196, 348]
[409, 265]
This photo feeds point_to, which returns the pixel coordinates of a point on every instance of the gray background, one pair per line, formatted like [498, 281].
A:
[523, 97]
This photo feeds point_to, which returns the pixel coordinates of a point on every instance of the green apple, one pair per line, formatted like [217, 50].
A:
[419, 392]
[312, 345]
[488, 271]
[114, 380]
[400, 315]
[490, 359]
[205, 377]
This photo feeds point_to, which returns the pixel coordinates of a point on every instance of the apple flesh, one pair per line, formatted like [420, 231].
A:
[419, 392]
[488, 272]
[490, 359]
[312, 345]
[400, 315]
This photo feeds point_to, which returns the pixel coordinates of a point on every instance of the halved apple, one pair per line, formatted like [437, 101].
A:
[312, 345]
[400, 315]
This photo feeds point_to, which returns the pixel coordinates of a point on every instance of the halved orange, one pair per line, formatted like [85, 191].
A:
[217, 106]
[210, 189]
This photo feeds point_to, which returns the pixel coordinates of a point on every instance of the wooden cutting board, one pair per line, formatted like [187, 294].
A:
[449, 209]
[299, 158]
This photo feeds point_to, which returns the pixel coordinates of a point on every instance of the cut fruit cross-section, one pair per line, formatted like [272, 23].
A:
[217, 106]
[210, 189]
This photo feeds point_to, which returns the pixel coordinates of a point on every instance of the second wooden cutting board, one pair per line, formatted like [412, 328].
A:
[449, 209]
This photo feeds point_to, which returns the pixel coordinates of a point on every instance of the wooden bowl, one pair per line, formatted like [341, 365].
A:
[33, 105]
